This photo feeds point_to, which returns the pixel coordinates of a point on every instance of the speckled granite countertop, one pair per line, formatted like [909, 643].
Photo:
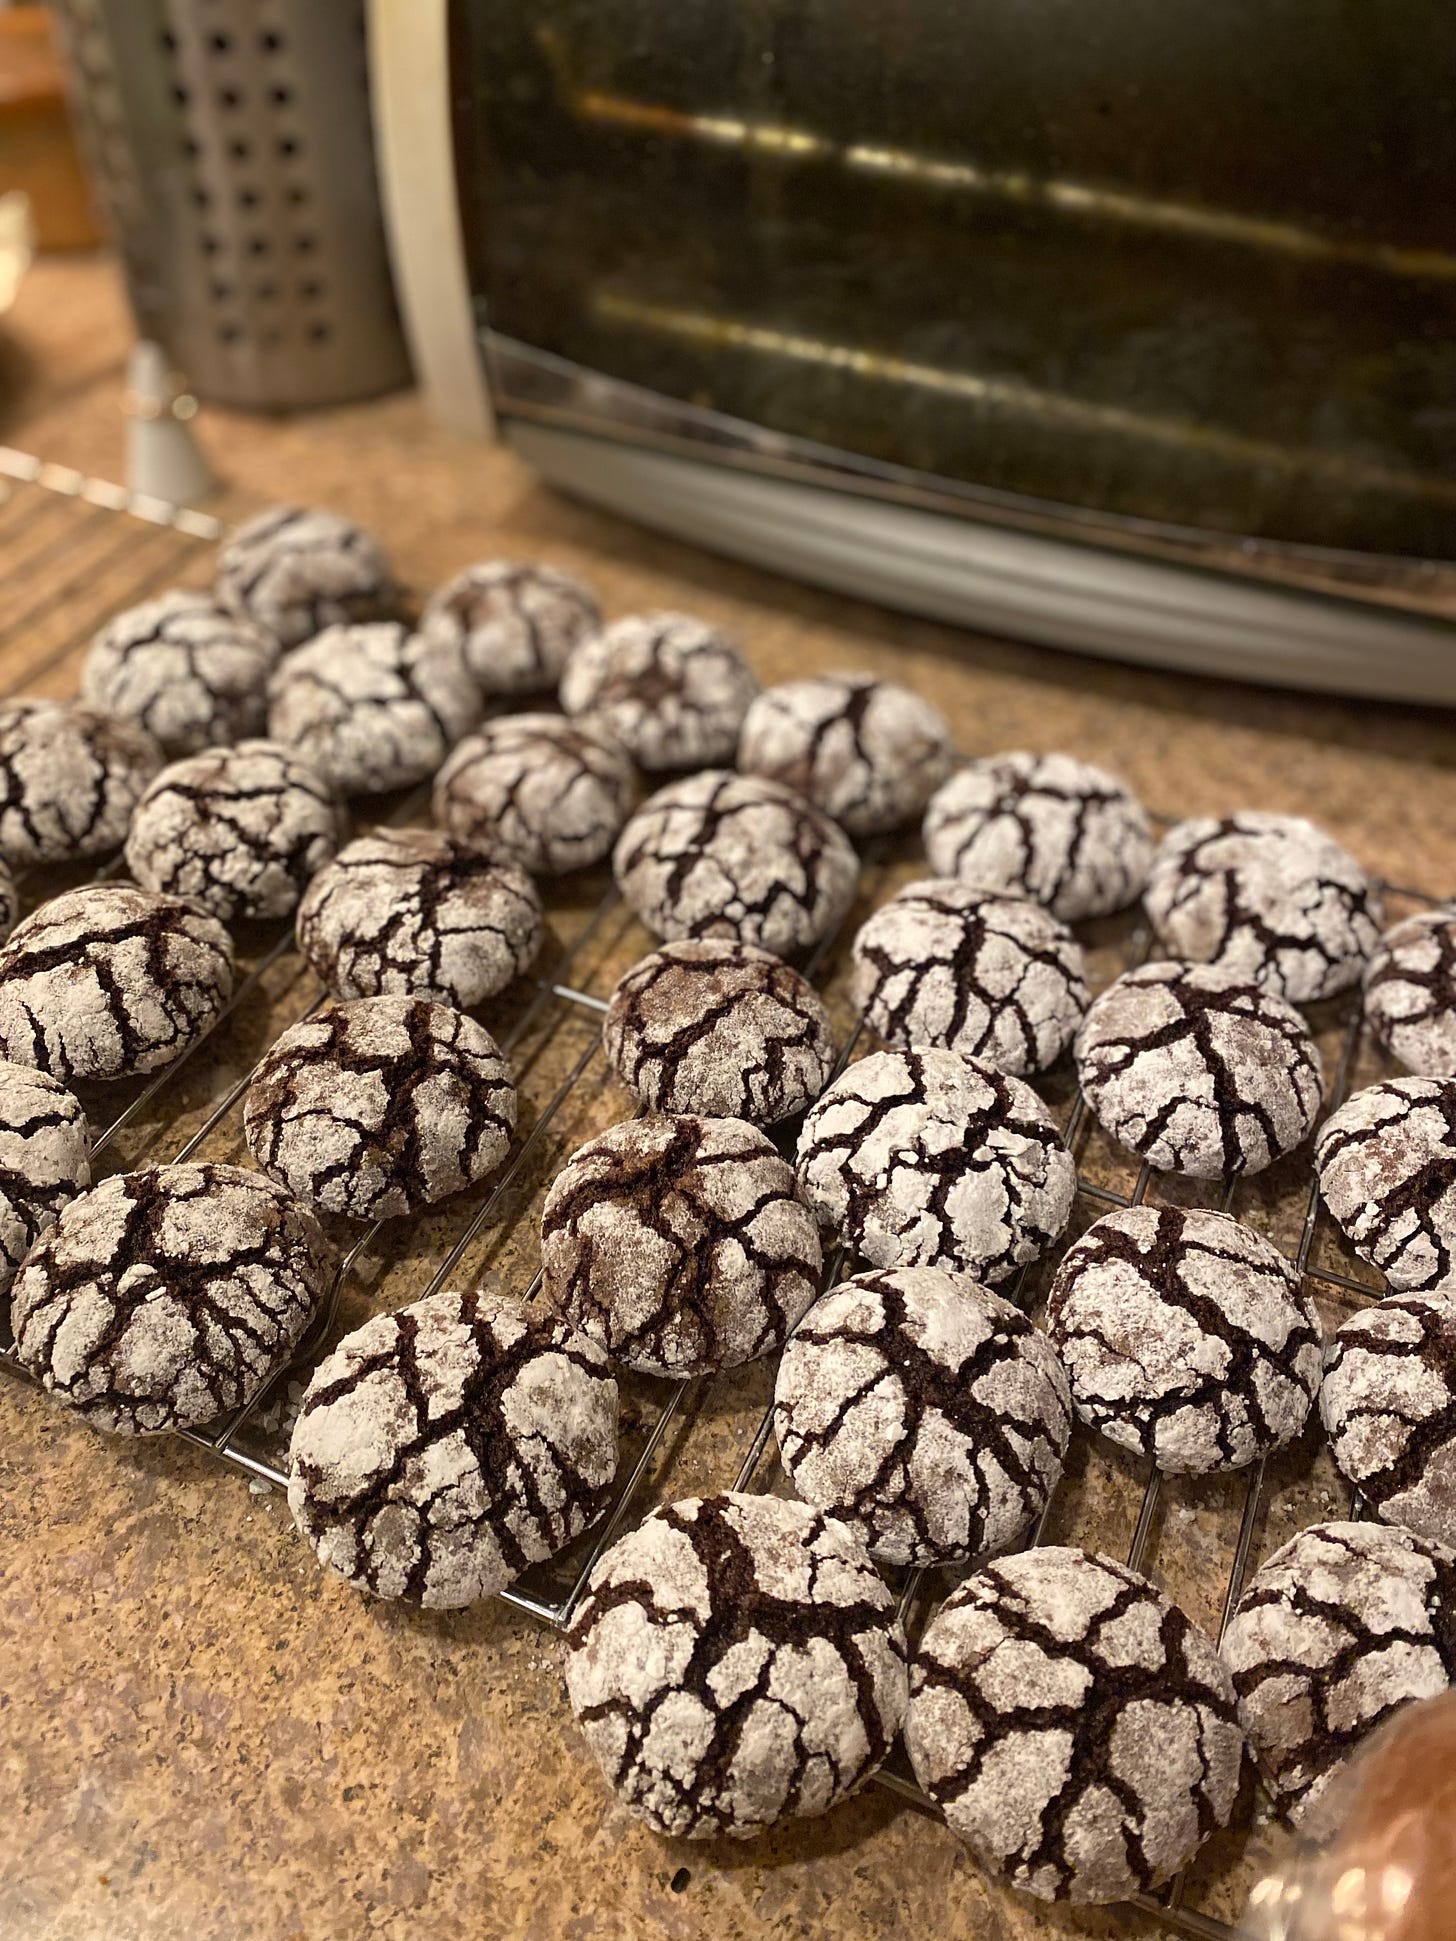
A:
[205, 1736]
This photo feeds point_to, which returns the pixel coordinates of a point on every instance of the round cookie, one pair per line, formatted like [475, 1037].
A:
[1075, 1727]
[724, 855]
[380, 1107]
[995, 977]
[1198, 1071]
[109, 981]
[191, 675]
[294, 572]
[442, 1449]
[164, 1298]
[672, 690]
[1068, 835]
[1386, 1163]
[45, 1160]
[1269, 897]
[1187, 1337]
[371, 708]
[721, 1028]
[238, 830]
[923, 1411]
[868, 752]
[736, 1661]
[70, 777]
[410, 912]
[1388, 1404]
[513, 625]
[679, 1244]
[1410, 992]
[546, 794]
[926, 1158]
[1342, 1625]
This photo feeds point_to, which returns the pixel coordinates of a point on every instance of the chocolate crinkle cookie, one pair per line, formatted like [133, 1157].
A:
[239, 830]
[1389, 1408]
[1338, 1629]
[721, 1028]
[1386, 1163]
[295, 572]
[381, 1106]
[109, 981]
[443, 1449]
[923, 1411]
[926, 1158]
[868, 752]
[1198, 1071]
[373, 707]
[45, 1160]
[724, 855]
[180, 667]
[411, 912]
[993, 976]
[1076, 1728]
[1187, 1337]
[164, 1298]
[536, 790]
[1269, 897]
[70, 777]
[736, 1661]
[672, 690]
[1410, 992]
[513, 625]
[679, 1244]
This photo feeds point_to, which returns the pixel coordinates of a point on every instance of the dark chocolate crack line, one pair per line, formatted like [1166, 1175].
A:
[672, 690]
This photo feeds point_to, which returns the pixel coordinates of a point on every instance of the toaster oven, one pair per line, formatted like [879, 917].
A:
[1127, 328]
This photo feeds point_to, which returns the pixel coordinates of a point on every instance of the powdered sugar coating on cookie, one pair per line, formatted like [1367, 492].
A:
[546, 794]
[1386, 1163]
[180, 667]
[295, 571]
[1389, 1407]
[513, 625]
[70, 777]
[1410, 992]
[671, 689]
[45, 1159]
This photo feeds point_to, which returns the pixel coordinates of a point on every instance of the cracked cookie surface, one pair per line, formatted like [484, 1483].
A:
[1386, 1163]
[1388, 1404]
[1410, 992]
[444, 1448]
[164, 1298]
[736, 1661]
[380, 1106]
[724, 855]
[70, 777]
[923, 1411]
[536, 790]
[514, 625]
[1187, 1337]
[179, 667]
[721, 1028]
[239, 830]
[671, 689]
[679, 1244]
[294, 571]
[1198, 1071]
[926, 1158]
[995, 977]
[45, 1159]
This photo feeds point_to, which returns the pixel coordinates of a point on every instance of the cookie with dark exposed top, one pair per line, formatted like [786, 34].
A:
[679, 1244]
[444, 1448]
[1386, 1163]
[1410, 992]
[108, 981]
[70, 777]
[180, 667]
[1199, 1071]
[45, 1159]
[736, 1661]
[166, 1297]
[513, 625]
[1068, 835]
[1187, 1337]
[721, 1028]
[926, 1158]
[239, 830]
[672, 690]
[536, 790]
[380, 1106]
[1270, 897]
[409, 911]
[295, 571]
[1389, 1407]
[869, 752]
[724, 855]
[923, 1411]
[996, 977]
[1074, 1726]
[1341, 1626]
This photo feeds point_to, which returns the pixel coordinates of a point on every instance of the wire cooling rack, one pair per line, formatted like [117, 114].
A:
[74, 551]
